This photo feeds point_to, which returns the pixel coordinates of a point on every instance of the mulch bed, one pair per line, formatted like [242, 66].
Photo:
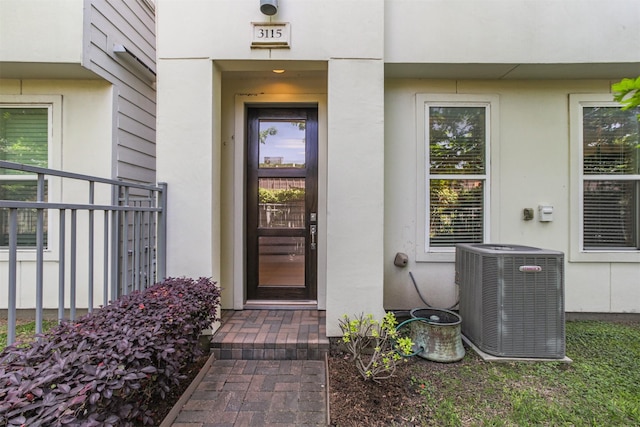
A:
[356, 402]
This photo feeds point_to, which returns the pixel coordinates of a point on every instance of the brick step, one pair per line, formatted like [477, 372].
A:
[271, 335]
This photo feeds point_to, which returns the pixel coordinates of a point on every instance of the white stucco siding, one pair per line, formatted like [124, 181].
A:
[188, 162]
[511, 31]
[625, 287]
[210, 31]
[603, 287]
[319, 29]
[26, 279]
[355, 190]
[24, 22]
[588, 287]
[324, 29]
[530, 166]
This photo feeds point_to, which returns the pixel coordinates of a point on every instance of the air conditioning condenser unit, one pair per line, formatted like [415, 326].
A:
[512, 299]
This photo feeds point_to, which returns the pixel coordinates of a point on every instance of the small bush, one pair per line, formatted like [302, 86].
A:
[375, 346]
[107, 368]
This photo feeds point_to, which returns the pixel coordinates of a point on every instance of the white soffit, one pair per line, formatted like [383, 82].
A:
[263, 68]
[41, 70]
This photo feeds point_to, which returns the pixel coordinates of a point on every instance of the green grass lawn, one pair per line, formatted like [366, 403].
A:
[25, 331]
[600, 388]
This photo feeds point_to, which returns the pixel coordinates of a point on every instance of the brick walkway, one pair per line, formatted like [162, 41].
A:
[258, 393]
[270, 370]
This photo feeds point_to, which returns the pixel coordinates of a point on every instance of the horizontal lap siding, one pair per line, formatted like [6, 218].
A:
[139, 159]
[130, 23]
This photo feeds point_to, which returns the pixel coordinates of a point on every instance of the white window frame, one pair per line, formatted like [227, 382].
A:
[53, 103]
[424, 252]
[577, 252]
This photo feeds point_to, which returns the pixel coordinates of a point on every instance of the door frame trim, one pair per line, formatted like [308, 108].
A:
[242, 102]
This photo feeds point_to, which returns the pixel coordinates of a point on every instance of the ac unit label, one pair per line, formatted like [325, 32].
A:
[530, 268]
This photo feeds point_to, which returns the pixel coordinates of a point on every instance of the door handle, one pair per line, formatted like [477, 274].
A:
[314, 231]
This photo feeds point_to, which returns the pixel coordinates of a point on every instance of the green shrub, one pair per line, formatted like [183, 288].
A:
[375, 346]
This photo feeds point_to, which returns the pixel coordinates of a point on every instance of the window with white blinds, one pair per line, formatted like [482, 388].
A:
[610, 178]
[457, 149]
[24, 138]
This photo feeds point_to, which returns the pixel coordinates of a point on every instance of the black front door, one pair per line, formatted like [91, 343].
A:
[281, 203]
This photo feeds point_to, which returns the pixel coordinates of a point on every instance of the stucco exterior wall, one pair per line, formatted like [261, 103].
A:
[436, 31]
[531, 168]
[189, 160]
[222, 29]
[346, 276]
[511, 31]
[355, 205]
[23, 23]
[81, 131]
[336, 54]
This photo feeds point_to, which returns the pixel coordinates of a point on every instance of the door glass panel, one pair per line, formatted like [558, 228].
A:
[281, 202]
[282, 144]
[281, 261]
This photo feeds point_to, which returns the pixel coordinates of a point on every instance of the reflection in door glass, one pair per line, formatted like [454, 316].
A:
[281, 261]
[282, 144]
[281, 202]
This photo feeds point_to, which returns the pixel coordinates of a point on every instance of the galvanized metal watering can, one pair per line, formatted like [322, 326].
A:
[436, 334]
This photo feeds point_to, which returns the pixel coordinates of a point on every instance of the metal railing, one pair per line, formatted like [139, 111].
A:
[133, 239]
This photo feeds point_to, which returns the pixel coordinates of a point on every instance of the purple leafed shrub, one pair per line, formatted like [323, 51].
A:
[108, 368]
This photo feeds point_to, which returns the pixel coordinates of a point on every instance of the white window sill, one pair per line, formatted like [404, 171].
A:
[449, 256]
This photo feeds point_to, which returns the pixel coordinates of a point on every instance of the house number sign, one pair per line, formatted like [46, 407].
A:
[271, 35]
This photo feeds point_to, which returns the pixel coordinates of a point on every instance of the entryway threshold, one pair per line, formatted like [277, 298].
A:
[271, 335]
[281, 305]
